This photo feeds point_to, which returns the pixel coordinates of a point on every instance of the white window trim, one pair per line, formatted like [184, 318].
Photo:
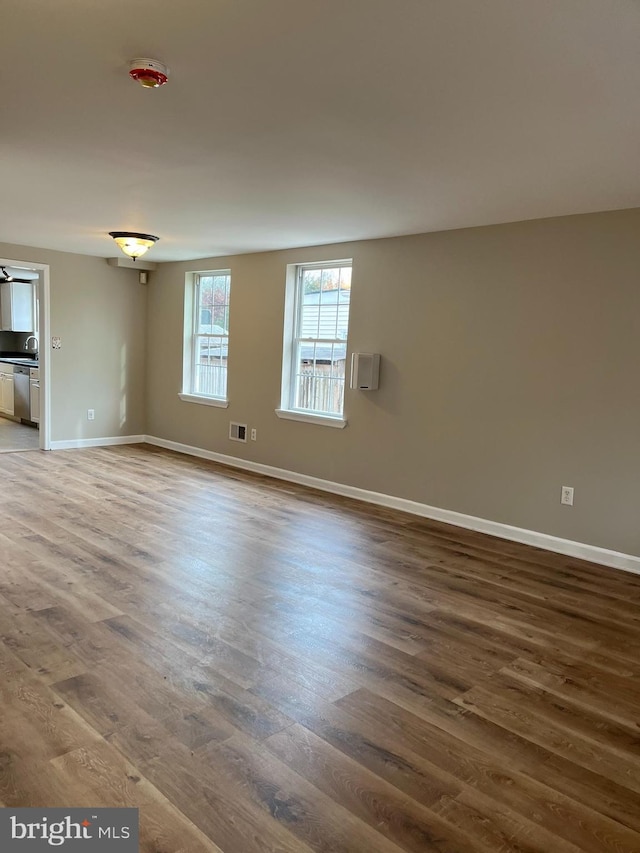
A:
[221, 403]
[189, 341]
[311, 418]
[291, 320]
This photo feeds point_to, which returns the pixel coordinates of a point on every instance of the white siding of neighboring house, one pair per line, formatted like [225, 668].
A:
[327, 318]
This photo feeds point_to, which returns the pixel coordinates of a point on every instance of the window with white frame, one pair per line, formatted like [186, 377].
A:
[316, 329]
[206, 348]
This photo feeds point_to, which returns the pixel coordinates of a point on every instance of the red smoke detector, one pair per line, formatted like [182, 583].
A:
[148, 72]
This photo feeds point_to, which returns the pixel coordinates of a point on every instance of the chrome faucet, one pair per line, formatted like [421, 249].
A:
[26, 344]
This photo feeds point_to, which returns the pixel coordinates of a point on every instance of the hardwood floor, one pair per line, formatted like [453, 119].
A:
[261, 667]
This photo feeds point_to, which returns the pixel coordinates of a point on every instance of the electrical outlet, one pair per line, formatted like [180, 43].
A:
[566, 495]
[91, 414]
[254, 435]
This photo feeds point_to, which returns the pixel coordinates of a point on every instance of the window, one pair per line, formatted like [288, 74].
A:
[315, 350]
[206, 340]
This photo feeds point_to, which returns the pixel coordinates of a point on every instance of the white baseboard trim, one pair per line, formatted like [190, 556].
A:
[97, 442]
[603, 556]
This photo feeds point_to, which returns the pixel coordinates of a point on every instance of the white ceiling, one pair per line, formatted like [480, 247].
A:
[296, 122]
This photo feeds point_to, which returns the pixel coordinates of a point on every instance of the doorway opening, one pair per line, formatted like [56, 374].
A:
[25, 401]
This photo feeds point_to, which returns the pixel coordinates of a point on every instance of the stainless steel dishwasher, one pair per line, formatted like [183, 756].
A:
[22, 405]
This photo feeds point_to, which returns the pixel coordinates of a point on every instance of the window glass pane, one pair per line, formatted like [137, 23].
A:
[210, 369]
[205, 305]
[311, 281]
[310, 315]
[213, 304]
[345, 279]
[319, 380]
[325, 303]
[220, 318]
[221, 302]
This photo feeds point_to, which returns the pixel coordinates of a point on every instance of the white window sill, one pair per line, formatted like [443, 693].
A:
[204, 401]
[308, 417]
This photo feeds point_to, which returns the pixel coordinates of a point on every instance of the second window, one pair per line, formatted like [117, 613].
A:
[319, 342]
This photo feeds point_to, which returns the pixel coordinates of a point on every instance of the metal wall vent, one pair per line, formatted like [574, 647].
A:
[237, 432]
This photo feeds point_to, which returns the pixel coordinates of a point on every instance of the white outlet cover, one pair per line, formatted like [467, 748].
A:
[566, 495]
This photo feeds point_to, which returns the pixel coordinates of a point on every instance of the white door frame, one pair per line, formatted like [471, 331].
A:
[44, 343]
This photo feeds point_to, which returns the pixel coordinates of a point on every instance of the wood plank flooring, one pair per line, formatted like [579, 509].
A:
[261, 667]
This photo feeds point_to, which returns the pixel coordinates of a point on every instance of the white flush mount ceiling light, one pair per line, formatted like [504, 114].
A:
[150, 73]
[133, 245]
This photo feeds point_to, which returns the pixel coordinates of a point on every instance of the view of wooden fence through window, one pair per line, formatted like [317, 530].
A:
[211, 341]
[324, 294]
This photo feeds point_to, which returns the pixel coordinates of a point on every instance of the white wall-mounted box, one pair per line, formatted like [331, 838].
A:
[365, 371]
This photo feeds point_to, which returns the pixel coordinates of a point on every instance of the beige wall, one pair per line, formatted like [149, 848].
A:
[100, 313]
[510, 361]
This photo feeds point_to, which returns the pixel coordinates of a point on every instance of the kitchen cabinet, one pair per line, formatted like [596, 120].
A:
[34, 394]
[6, 389]
[17, 307]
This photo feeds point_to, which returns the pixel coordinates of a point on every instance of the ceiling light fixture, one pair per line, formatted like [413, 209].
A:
[150, 73]
[133, 244]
